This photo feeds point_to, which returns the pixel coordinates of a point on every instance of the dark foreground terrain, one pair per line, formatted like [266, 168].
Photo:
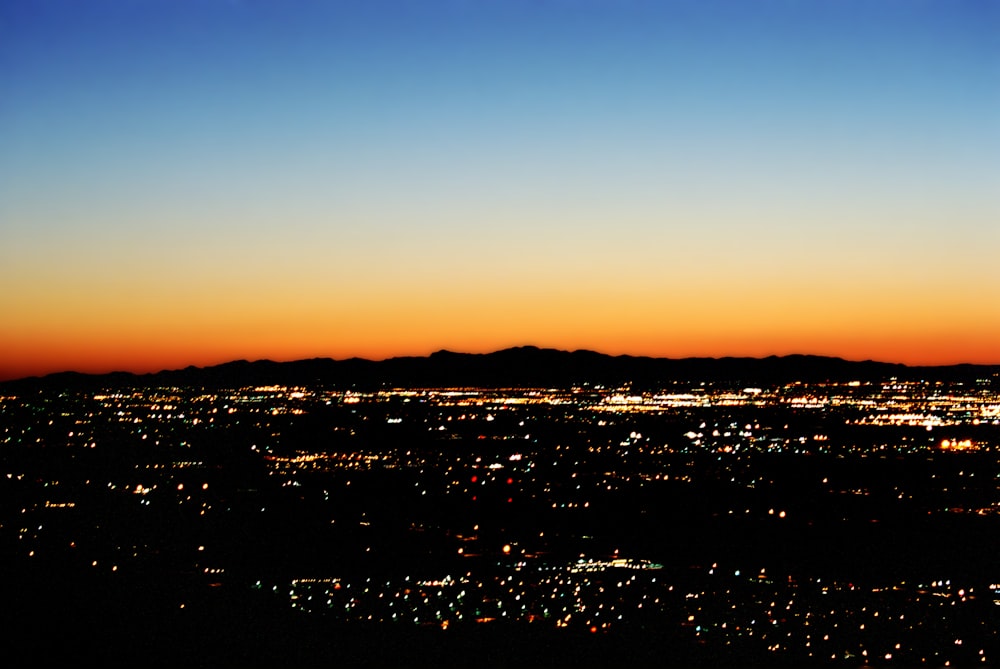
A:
[696, 525]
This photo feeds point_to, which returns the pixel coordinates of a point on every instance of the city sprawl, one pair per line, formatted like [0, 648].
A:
[844, 523]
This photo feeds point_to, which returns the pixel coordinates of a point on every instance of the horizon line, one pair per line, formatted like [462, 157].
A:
[166, 370]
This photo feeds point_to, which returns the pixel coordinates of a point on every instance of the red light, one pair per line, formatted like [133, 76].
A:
[509, 481]
[475, 478]
[510, 499]
[593, 629]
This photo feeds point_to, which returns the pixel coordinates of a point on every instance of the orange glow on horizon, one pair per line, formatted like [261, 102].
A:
[38, 357]
[151, 325]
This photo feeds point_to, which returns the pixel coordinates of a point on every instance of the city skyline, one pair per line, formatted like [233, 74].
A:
[189, 184]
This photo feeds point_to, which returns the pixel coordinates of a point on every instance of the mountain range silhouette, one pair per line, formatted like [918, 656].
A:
[522, 366]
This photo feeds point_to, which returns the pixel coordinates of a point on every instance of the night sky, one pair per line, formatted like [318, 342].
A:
[190, 182]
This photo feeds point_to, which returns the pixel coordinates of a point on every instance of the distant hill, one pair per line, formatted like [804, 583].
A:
[525, 366]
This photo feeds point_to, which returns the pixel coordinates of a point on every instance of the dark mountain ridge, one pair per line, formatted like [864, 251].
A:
[524, 366]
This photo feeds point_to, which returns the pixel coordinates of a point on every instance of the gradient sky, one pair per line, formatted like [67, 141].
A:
[190, 182]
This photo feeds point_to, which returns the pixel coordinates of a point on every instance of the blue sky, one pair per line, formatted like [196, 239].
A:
[544, 139]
